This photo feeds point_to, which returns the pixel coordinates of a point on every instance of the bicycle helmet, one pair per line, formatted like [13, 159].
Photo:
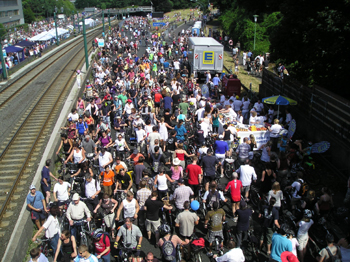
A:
[97, 233]
[307, 213]
[78, 71]
[164, 229]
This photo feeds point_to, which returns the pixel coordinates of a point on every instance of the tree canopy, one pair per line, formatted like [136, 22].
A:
[309, 37]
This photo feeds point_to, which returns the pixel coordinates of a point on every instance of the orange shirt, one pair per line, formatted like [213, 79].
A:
[108, 178]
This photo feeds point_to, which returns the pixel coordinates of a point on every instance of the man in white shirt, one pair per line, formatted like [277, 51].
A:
[237, 105]
[247, 172]
[229, 111]
[177, 65]
[245, 109]
[234, 255]
[92, 189]
[61, 191]
[141, 137]
[104, 159]
[274, 134]
[76, 211]
[200, 113]
[259, 107]
[153, 136]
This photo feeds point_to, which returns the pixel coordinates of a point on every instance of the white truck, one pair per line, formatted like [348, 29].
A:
[205, 54]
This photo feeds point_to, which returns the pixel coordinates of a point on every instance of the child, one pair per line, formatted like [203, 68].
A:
[295, 243]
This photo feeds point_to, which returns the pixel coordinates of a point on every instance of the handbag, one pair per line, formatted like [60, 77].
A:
[28, 208]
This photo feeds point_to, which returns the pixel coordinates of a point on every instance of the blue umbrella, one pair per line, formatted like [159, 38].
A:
[280, 101]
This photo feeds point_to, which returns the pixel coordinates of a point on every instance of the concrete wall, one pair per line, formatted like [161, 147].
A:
[8, 21]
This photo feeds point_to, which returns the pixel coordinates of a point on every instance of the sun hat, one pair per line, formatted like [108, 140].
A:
[176, 161]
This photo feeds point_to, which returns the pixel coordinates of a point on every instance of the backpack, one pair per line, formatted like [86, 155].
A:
[334, 258]
[168, 250]
[304, 187]
[210, 199]
[156, 163]
[105, 235]
[268, 219]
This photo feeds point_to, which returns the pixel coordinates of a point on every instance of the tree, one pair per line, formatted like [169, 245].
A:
[29, 15]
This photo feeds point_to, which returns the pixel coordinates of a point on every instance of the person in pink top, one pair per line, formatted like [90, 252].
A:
[235, 186]
[176, 169]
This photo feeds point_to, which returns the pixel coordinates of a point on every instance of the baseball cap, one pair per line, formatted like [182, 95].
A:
[32, 187]
[76, 197]
[221, 136]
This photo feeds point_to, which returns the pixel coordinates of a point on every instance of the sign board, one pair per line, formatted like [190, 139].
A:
[157, 14]
[208, 57]
[101, 42]
[159, 24]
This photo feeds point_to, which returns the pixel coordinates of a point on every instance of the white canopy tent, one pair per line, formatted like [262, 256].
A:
[44, 36]
[88, 21]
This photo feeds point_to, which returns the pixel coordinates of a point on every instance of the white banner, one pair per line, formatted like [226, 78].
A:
[261, 137]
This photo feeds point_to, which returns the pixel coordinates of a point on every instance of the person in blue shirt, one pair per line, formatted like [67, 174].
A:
[216, 80]
[221, 148]
[185, 53]
[166, 64]
[37, 206]
[168, 102]
[280, 243]
[180, 131]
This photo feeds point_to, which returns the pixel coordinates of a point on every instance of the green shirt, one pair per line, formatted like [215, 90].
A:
[123, 98]
[215, 218]
[183, 107]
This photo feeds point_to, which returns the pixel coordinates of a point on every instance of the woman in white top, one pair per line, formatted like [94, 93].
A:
[161, 180]
[303, 237]
[163, 131]
[277, 193]
[52, 228]
[239, 117]
[253, 118]
[270, 114]
[77, 156]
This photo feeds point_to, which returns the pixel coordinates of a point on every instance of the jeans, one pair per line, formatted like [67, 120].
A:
[105, 258]
[239, 237]
[54, 242]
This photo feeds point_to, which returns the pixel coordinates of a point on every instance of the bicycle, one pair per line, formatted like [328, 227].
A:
[45, 247]
[84, 239]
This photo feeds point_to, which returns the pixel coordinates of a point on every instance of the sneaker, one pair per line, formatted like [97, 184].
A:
[210, 254]
[222, 175]
[235, 219]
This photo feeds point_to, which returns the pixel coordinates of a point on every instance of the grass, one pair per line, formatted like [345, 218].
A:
[229, 64]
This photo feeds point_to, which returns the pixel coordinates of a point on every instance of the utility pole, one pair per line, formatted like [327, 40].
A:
[78, 21]
[109, 20]
[103, 21]
[85, 45]
[54, 15]
[73, 23]
[4, 73]
[255, 20]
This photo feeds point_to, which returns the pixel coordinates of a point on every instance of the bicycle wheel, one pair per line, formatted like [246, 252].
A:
[198, 257]
[254, 197]
[45, 249]
[312, 248]
[228, 171]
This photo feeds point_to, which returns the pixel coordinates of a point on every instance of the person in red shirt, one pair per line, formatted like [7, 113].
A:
[194, 173]
[157, 100]
[235, 186]
[102, 245]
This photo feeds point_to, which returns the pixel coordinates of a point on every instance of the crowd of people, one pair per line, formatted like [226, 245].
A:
[140, 118]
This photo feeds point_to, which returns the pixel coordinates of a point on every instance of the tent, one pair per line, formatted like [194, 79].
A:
[14, 49]
[39, 36]
[25, 43]
[88, 21]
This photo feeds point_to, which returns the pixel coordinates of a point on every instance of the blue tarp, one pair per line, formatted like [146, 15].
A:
[25, 43]
[12, 49]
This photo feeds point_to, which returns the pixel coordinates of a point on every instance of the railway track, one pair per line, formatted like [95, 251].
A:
[25, 143]
[9, 92]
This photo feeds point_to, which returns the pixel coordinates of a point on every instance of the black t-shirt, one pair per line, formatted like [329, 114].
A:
[243, 219]
[176, 99]
[153, 207]
[171, 143]
[125, 180]
[269, 215]
[208, 164]
[200, 136]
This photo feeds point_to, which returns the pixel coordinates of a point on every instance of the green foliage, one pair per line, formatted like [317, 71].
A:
[103, 6]
[2, 30]
[46, 8]
[29, 15]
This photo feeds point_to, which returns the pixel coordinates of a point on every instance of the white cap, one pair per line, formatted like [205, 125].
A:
[76, 197]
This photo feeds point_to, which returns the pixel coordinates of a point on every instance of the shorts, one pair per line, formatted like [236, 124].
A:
[245, 189]
[156, 104]
[208, 179]
[45, 188]
[213, 234]
[152, 224]
[236, 199]
[302, 240]
[267, 233]
[220, 157]
[38, 215]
